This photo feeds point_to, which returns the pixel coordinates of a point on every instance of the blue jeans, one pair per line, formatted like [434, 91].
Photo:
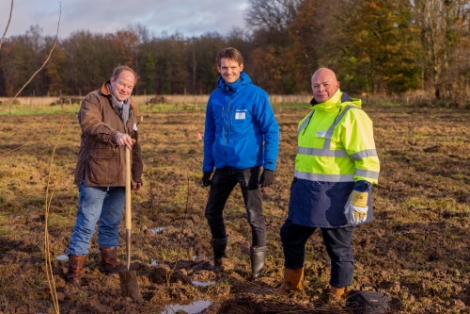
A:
[103, 204]
[223, 182]
[338, 245]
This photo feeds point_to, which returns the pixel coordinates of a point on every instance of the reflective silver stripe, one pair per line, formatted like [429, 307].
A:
[324, 177]
[327, 152]
[321, 152]
[367, 174]
[304, 123]
[336, 153]
[329, 132]
[364, 154]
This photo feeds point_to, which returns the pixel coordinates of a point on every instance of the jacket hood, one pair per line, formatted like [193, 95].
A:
[233, 87]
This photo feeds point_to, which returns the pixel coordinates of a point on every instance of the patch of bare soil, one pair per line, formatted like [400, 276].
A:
[416, 249]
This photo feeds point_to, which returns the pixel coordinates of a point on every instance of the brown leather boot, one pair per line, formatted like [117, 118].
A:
[109, 264]
[292, 280]
[76, 263]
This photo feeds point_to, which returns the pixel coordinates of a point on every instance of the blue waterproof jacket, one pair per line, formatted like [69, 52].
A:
[241, 130]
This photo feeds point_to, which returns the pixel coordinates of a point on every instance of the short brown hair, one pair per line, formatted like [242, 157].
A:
[229, 53]
[117, 71]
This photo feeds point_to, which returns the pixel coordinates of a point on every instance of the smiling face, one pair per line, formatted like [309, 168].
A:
[123, 85]
[230, 70]
[324, 84]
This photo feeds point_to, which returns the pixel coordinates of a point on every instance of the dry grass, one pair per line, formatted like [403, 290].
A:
[416, 249]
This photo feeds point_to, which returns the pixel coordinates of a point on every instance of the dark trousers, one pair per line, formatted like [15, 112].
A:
[223, 182]
[338, 245]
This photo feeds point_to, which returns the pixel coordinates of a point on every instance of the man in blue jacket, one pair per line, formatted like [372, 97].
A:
[241, 137]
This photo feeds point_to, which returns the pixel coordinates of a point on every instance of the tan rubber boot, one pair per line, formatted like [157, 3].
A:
[76, 263]
[337, 292]
[336, 297]
[292, 281]
[334, 300]
[109, 264]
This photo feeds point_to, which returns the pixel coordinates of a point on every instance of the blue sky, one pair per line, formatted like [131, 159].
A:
[161, 17]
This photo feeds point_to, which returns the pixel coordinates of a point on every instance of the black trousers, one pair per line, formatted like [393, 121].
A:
[223, 182]
[338, 246]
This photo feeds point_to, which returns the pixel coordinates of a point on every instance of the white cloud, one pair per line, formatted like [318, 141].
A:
[186, 17]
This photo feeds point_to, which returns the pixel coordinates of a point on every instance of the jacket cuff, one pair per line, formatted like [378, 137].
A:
[113, 137]
[362, 185]
[269, 166]
[207, 169]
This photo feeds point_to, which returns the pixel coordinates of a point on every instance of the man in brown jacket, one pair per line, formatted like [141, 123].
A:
[108, 119]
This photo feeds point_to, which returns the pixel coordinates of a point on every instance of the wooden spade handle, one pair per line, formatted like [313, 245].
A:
[128, 189]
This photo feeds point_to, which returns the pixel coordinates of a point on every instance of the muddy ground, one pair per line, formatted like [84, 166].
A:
[416, 250]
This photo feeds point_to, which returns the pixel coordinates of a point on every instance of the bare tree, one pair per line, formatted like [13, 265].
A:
[440, 22]
[272, 15]
[37, 71]
[8, 24]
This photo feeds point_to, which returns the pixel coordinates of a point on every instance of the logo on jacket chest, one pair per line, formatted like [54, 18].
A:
[240, 114]
[321, 133]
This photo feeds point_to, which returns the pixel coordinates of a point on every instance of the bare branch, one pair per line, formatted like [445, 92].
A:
[271, 15]
[45, 62]
[8, 25]
[47, 241]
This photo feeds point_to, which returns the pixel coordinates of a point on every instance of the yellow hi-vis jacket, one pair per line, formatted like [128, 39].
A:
[335, 149]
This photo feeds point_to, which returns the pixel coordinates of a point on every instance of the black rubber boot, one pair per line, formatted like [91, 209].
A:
[257, 256]
[218, 246]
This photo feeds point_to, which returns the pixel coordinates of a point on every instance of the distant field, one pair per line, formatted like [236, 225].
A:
[26, 105]
[416, 250]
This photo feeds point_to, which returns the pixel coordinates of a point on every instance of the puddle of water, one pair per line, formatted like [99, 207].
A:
[203, 284]
[191, 308]
[63, 257]
[157, 230]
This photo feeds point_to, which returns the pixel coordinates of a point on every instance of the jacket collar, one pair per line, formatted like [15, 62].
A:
[105, 89]
[344, 97]
[106, 92]
[243, 81]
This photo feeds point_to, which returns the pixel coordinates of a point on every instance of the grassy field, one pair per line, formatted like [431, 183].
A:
[148, 103]
[416, 250]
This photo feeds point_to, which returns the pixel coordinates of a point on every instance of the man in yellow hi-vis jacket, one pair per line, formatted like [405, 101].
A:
[335, 167]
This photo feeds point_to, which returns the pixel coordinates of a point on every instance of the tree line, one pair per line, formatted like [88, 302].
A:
[385, 47]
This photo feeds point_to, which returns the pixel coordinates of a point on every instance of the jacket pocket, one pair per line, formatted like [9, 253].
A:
[103, 166]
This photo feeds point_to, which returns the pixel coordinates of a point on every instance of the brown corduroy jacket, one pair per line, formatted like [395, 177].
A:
[101, 162]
